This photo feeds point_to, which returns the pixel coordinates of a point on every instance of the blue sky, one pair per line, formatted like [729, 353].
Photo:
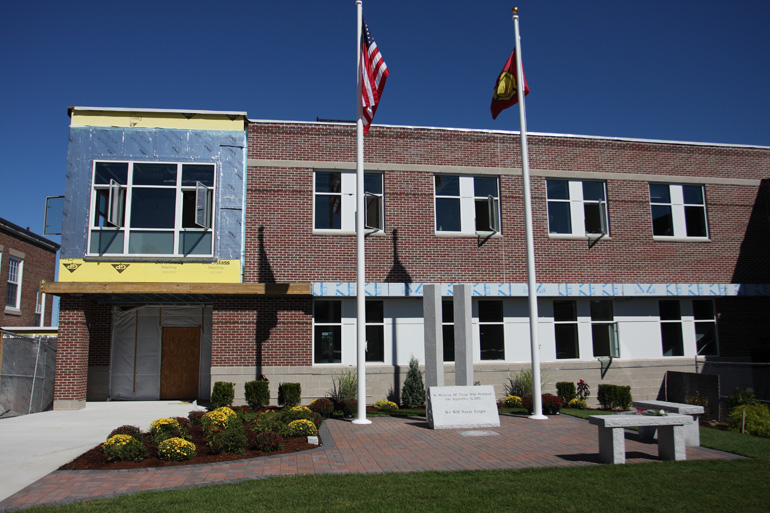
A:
[659, 69]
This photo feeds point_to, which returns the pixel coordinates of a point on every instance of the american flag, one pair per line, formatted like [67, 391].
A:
[374, 72]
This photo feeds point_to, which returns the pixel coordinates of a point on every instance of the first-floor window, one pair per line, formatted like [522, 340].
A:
[13, 289]
[448, 329]
[603, 328]
[375, 332]
[565, 328]
[327, 332]
[671, 327]
[491, 330]
[705, 327]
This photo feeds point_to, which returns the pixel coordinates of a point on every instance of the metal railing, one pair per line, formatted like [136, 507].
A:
[27, 365]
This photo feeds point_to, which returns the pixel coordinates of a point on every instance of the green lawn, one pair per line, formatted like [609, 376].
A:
[697, 486]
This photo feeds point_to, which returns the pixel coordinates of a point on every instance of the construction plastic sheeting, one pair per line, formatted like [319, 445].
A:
[136, 349]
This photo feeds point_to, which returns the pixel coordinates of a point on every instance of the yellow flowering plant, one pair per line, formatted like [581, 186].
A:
[164, 428]
[302, 427]
[124, 448]
[578, 404]
[512, 401]
[176, 449]
[386, 405]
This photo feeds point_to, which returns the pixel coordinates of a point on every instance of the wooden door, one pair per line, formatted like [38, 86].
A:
[179, 363]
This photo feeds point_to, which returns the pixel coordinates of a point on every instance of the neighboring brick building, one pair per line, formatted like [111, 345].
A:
[26, 259]
[649, 252]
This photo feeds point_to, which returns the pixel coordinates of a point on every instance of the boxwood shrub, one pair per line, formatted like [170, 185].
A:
[289, 394]
[257, 393]
[613, 397]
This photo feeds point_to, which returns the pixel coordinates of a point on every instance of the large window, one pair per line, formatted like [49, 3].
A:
[705, 327]
[491, 330]
[565, 328]
[13, 288]
[678, 210]
[335, 201]
[604, 329]
[577, 208]
[152, 209]
[467, 204]
[375, 332]
[327, 332]
[671, 327]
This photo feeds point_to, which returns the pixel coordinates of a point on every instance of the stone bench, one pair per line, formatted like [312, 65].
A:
[691, 431]
[612, 441]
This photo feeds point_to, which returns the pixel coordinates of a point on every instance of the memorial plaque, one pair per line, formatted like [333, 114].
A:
[462, 407]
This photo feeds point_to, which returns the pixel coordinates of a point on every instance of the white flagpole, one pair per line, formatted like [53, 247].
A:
[360, 253]
[537, 401]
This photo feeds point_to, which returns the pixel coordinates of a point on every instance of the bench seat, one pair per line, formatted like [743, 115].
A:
[612, 441]
[692, 431]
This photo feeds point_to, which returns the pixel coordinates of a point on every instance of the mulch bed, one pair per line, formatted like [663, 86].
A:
[95, 459]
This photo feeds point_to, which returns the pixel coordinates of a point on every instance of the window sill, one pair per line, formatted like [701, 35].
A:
[153, 259]
[493, 235]
[661, 238]
[375, 233]
[12, 311]
[569, 236]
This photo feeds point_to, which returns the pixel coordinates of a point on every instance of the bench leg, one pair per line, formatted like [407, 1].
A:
[671, 443]
[612, 445]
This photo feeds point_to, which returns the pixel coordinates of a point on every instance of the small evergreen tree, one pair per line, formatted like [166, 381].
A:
[413, 391]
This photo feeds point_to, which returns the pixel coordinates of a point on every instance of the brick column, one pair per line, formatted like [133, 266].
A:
[71, 380]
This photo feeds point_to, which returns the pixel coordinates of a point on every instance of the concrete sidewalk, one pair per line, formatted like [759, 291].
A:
[387, 445]
[32, 446]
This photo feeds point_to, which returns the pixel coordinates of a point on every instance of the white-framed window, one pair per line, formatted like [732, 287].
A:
[375, 331]
[13, 288]
[467, 204]
[491, 330]
[448, 329]
[678, 211]
[604, 329]
[706, 343]
[152, 209]
[39, 308]
[671, 327]
[577, 207]
[327, 331]
[334, 198]
[565, 327]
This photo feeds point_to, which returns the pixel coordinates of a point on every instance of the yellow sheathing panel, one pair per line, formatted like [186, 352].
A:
[222, 271]
[141, 119]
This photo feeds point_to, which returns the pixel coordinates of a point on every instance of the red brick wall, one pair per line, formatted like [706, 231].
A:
[280, 203]
[262, 331]
[39, 265]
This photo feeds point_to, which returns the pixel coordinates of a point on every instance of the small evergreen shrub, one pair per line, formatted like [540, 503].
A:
[126, 430]
[176, 449]
[223, 394]
[613, 397]
[322, 406]
[512, 401]
[413, 391]
[577, 404]
[738, 398]
[123, 447]
[267, 441]
[163, 429]
[289, 394]
[257, 393]
[348, 406]
[231, 439]
[757, 421]
[386, 406]
[302, 427]
[566, 390]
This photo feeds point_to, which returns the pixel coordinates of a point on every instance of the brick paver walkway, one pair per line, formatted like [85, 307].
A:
[387, 445]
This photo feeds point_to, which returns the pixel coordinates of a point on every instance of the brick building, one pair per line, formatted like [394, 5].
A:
[227, 247]
[26, 259]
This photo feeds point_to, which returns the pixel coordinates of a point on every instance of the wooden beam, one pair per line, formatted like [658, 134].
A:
[229, 289]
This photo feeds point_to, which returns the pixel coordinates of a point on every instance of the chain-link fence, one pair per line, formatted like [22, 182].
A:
[27, 365]
[741, 375]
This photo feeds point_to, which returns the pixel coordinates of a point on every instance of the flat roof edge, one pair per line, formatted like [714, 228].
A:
[160, 111]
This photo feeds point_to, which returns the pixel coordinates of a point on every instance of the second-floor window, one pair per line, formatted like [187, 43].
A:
[467, 204]
[334, 198]
[678, 211]
[152, 209]
[577, 207]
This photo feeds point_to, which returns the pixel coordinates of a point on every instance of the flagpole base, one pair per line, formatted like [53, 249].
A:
[361, 421]
[538, 417]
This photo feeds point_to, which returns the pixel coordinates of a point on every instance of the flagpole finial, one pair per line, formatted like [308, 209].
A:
[515, 10]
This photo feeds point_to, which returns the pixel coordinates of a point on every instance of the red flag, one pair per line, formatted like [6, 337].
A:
[506, 92]
[374, 72]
